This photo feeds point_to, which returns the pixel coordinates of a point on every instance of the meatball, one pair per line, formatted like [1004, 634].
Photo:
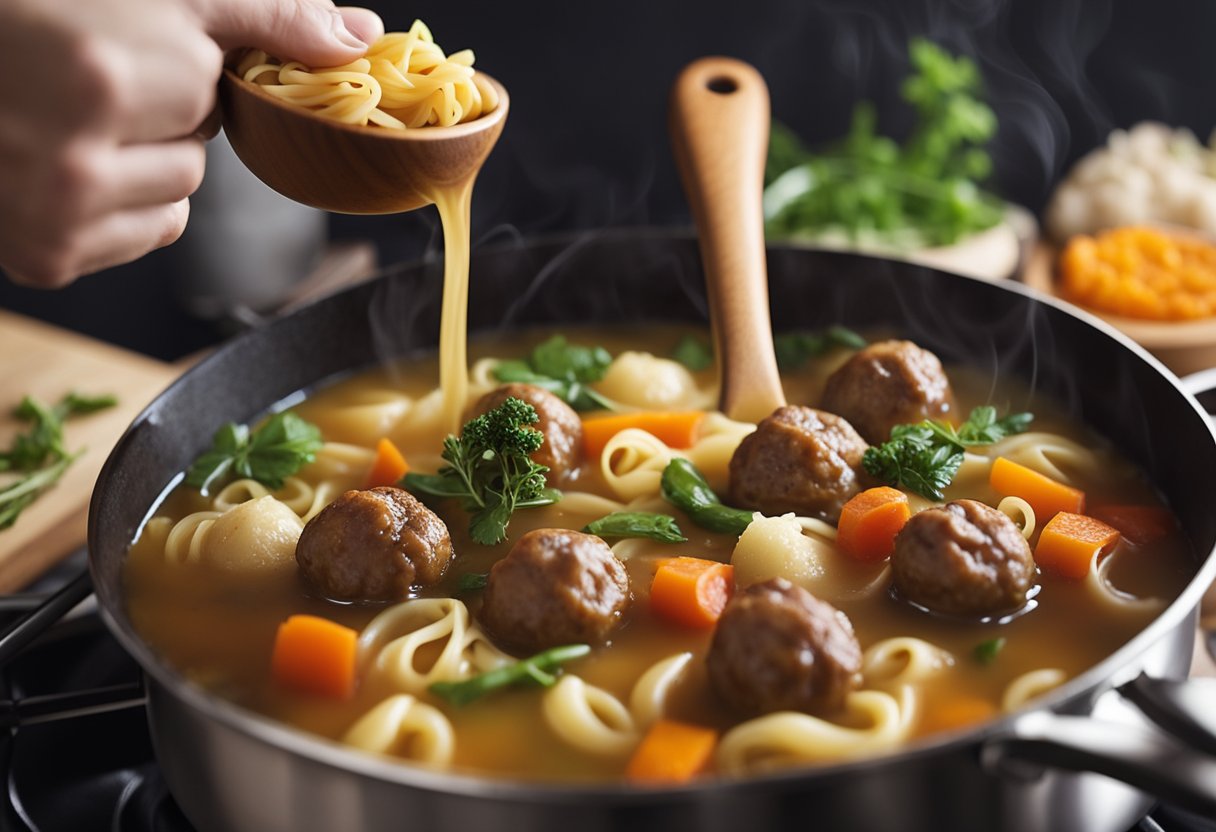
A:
[964, 558]
[778, 647]
[800, 460]
[886, 384]
[554, 587]
[563, 430]
[373, 545]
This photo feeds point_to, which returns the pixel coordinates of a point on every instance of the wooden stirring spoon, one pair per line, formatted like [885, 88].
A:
[350, 168]
[719, 118]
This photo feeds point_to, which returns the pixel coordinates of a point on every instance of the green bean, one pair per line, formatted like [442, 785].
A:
[535, 668]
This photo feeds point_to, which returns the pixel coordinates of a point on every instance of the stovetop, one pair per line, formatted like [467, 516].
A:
[78, 755]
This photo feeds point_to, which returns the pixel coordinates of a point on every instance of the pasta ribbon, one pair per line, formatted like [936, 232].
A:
[784, 739]
[903, 660]
[397, 640]
[1031, 685]
[405, 81]
[404, 727]
[593, 720]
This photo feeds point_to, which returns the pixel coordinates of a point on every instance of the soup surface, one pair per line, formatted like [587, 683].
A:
[212, 609]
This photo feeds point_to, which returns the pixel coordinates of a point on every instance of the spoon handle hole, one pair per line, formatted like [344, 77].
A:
[722, 85]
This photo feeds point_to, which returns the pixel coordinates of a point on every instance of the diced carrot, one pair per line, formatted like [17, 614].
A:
[1138, 523]
[959, 711]
[315, 655]
[869, 522]
[1045, 495]
[678, 429]
[1069, 542]
[671, 752]
[389, 466]
[692, 591]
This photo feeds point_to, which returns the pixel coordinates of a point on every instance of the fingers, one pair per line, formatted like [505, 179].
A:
[119, 237]
[311, 31]
[364, 24]
[151, 174]
[100, 207]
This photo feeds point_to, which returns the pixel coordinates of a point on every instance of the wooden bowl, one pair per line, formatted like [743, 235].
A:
[347, 168]
[1183, 346]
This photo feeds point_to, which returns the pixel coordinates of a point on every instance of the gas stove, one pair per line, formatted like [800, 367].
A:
[77, 755]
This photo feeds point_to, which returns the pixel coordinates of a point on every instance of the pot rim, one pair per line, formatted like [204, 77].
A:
[1099, 677]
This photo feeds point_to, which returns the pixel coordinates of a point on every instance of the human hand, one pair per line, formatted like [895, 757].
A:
[101, 105]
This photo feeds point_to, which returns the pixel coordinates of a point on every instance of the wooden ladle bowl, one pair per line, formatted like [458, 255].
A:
[347, 168]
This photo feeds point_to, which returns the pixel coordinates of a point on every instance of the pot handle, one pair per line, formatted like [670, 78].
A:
[1176, 767]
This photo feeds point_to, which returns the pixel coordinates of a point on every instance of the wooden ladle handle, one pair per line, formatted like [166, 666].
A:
[719, 118]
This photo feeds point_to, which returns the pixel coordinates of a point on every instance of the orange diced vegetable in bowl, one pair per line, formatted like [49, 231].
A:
[1141, 272]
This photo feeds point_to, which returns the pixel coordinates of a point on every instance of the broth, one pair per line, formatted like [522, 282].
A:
[218, 628]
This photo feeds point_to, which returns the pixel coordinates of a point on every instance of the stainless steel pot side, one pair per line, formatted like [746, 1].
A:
[233, 770]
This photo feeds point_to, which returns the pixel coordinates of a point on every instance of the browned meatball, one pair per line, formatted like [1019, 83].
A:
[555, 587]
[964, 558]
[778, 647]
[373, 545]
[886, 384]
[799, 459]
[563, 430]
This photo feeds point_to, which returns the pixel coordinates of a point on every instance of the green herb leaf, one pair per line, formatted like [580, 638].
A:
[924, 457]
[534, 669]
[40, 452]
[660, 527]
[76, 404]
[564, 370]
[694, 353]
[685, 487]
[270, 454]
[472, 582]
[793, 349]
[869, 189]
[17, 496]
[986, 652]
[490, 470]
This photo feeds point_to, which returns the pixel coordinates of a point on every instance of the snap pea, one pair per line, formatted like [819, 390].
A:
[685, 487]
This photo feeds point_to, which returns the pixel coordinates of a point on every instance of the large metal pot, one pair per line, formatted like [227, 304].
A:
[234, 770]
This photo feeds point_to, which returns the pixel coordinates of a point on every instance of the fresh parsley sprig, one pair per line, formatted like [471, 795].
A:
[39, 452]
[870, 188]
[270, 454]
[924, 457]
[563, 369]
[490, 470]
[660, 527]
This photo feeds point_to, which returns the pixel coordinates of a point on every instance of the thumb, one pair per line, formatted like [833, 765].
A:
[311, 31]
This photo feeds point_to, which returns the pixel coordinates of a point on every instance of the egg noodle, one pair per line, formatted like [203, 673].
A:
[403, 82]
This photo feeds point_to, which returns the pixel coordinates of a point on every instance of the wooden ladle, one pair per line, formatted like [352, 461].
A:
[719, 120]
[349, 168]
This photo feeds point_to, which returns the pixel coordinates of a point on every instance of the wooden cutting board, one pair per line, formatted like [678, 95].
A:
[45, 361]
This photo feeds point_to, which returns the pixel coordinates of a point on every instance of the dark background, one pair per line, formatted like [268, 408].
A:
[586, 147]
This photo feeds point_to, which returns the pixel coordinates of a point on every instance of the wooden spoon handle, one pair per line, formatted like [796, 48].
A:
[719, 117]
